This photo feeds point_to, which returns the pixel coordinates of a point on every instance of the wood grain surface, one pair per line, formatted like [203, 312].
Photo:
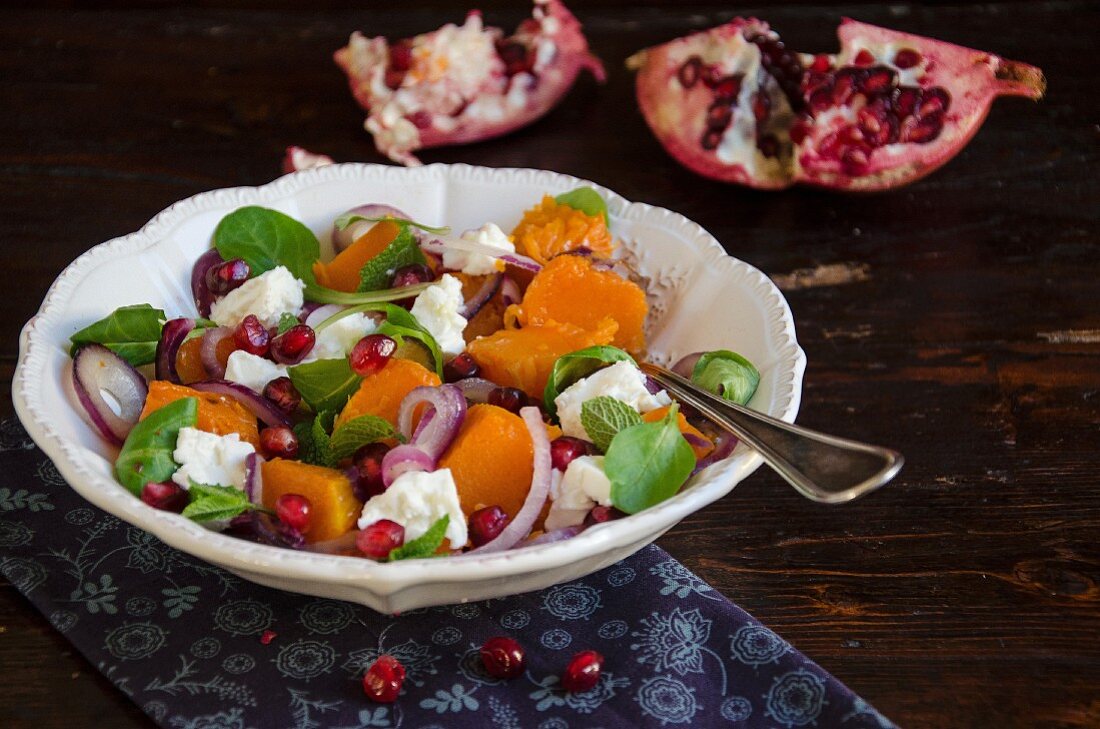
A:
[956, 320]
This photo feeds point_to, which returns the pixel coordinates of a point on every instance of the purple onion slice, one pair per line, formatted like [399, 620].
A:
[96, 370]
[450, 410]
[253, 478]
[509, 291]
[211, 338]
[404, 459]
[256, 403]
[724, 444]
[488, 289]
[341, 239]
[204, 297]
[686, 364]
[256, 526]
[558, 535]
[439, 244]
[173, 334]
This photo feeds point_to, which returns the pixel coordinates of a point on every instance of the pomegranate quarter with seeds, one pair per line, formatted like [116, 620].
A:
[734, 104]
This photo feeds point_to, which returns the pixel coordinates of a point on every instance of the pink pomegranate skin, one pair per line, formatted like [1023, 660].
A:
[831, 132]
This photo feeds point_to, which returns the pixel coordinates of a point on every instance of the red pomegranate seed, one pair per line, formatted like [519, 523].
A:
[383, 680]
[487, 524]
[371, 353]
[267, 636]
[400, 56]
[460, 368]
[768, 145]
[821, 63]
[711, 139]
[279, 442]
[583, 672]
[921, 131]
[761, 105]
[410, 275]
[565, 449]
[855, 159]
[282, 392]
[711, 75]
[295, 511]
[503, 657]
[690, 72]
[907, 58]
[421, 119]
[719, 115]
[863, 58]
[517, 58]
[878, 80]
[799, 131]
[377, 540]
[906, 100]
[292, 346]
[727, 87]
[166, 496]
[601, 514]
[251, 336]
[934, 101]
[844, 86]
[393, 78]
[224, 277]
[367, 462]
[509, 398]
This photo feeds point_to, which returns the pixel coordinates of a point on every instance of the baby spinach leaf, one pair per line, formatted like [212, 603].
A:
[585, 199]
[325, 384]
[147, 453]
[425, 545]
[347, 219]
[132, 332]
[573, 366]
[210, 502]
[726, 374]
[377, 273]
[357, 432]
[314, 442]
[266, 238]
[648, 463]
[603, 417]
[323, 295]
[286, 321]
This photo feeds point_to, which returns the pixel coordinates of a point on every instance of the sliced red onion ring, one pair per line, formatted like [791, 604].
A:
[488, 289]
[557, 535]
[204, 297]
[525, 518]
[253, 478]
[438, 244]
[686, 364]
[321, 313]
[724, 444]
[256, 403]
[651, 385]
[96, 370]
[509, 291]
[696, 441]
[437, 434]
[403, 459]
[341, 239]
[211, 338]
[476, 389]
[173, 334]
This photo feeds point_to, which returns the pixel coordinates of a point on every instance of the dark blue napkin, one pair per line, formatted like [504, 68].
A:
[198, 648]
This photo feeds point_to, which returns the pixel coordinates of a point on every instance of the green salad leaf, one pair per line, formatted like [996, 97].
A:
[314, 441]
[425, 545]
[726, 374]
[585, 199]
[147, 453]
[357, 432]
[131, 332]
[603, 417]
[576, 365]
[648, 463]
[286, 321]
[401, 326]
[266, 238]
[325, 384]
[377, 273]
[210, 502]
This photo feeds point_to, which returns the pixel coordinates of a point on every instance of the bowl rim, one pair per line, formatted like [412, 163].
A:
[385, 579]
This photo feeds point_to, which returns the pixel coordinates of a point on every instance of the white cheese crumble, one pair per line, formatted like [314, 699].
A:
[437, 309]
[622, 381]
[338, 338]
[583, 485]
[206, 458]
[479, 264]
[268, 296]
[251, 371]
[416, 500]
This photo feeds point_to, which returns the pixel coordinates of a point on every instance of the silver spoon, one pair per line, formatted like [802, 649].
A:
[821, 467]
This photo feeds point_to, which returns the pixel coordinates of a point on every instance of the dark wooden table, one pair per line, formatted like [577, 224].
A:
[956, 320]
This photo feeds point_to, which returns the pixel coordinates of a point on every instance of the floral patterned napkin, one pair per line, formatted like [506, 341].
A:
[198, 648]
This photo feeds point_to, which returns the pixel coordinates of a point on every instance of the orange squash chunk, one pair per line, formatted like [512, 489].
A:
[570, 289]
[490, 317]
[702, 447]
[524, 357]
[342, 272]
[218, 414]
[381, 393]
[189, 361]
[551, 228]
[334, 506]
[491, 459]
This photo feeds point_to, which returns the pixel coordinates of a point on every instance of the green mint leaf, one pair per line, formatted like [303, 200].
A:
[347, 219]
[585, 199]
[648, 463]
[377, 273]
[325, 384]
[314, 441]
[266, 238]
[603, 417]
[357, 432]
[726, 374]
[132, 332]
[573, 366]
[425, 545]
[147, 453]
[211, 502]
[286, 321]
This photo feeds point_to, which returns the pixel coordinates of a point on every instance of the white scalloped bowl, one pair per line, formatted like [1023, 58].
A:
[700, 299]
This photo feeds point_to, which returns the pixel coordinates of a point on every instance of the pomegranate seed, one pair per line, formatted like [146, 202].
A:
[279, 442]
[382, 681]
[487, 524]
[711, 139]
[719, 115]
[564, 450]
[711, 75]
[251, 336]
[371, 353]
[601, 514]
[224, 277]
[460, 368]
[377, 540]
[400, 56]
[855, 159]
[907, 58]
[295, 511]
[690, 72]
[411, 275]
[799, 131]
[166, 496]
[905, 101]
[921, 131]
[761, 105]
[509, 398]
[421, 119]
[863, 58]
[516, 57]
[282, 392]
[879, 80]
[934, 101]
[821, 63]
[847, 80]
[503, 657]
[727, 87]
[267, 636]
[367, 462]
[394, 78]
[583, 672]
[768, 145]
[292, 346]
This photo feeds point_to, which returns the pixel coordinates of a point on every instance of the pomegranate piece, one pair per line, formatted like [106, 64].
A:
[583, 672]
[283, 394]
[295, 511]
[367, 462]
[279, 442]
[460, 368]
[167, 496]
[292, 346]
[377, 540]
[462, 84]
[509, 398]
[886, 110]
[487, 524]
[371, 353]
[251, 336]
[224, 277]
[383, 680]
[565, 449]
[503, 657]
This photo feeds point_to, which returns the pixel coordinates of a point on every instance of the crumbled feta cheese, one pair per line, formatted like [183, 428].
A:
[416, 500]
[437, 309]
[479, 264]
[337, 339]
[251, 371]
[268, 296]
[622, 381]
[206, 458]
[583, 486]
